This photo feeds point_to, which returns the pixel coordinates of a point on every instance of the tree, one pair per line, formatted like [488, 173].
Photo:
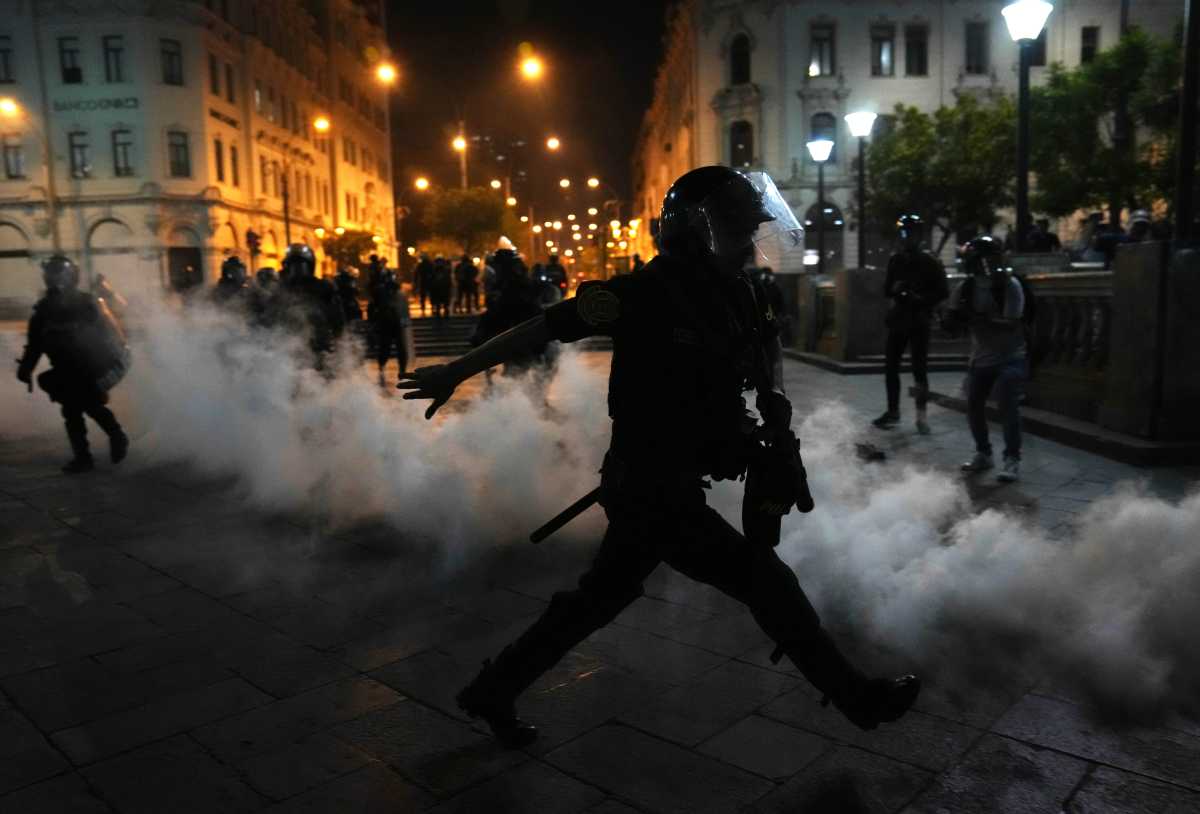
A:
[1078, 154]
[469, 217]
[349, 248]
[953, 167]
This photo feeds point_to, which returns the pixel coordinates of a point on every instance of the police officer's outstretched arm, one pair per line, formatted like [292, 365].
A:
[438, 382]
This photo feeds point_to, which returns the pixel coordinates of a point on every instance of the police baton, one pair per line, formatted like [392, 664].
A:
[566, 516]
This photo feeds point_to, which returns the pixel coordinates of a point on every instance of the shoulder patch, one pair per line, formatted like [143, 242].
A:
[598, 306]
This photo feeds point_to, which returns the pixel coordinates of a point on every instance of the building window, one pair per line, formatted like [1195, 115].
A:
[1037, 56]
[739, 60]
[1089, 43]
[916, 50]
[258, 96]
[283, 111]
[235, 171]
[14, 157]
[77, 145]
[6, 60]
[114, 58]
[821, 61]
[230, 92]
[295, 118]
[883, 50]
[219, 158]
[122, 149]
[977, 48]
[172, 62]
[308, 189]
[214, 75]
[275, 178]
[270, 103]
[68, 60]
[348, 151]
[264, 170]
[366, 160]
[179, 157]
[824, 126]
[741, 144]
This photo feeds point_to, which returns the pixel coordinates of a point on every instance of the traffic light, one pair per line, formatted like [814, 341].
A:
[252, 241]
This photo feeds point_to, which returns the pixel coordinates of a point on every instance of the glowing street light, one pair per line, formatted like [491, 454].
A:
[557, 224]
[9, 107]
[614, 224]
[411, 250]
[385, 73]
[577, 236]
[537, 228]
[860, 123]
[569, 253]
[341, 230]
[459, 144]
[592, 227]
[319, 231]
[553, 143]
[532, 68]
[524, 219]
[549, 244]
[571, 216]
[1025, 20]
[496, 183]
[321, 124]
[547, 224]
[574, 227]
[511, 201]
[565, 183]
[593, 182]
[593, 211]
[820, 149]
[421, 183]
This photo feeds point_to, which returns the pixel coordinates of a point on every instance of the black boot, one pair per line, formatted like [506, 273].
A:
[77, 435]
[118, 441]
[865, 702]
[487, 698]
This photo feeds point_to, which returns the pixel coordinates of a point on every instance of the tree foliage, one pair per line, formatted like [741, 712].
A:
[472, 218]
[349, 248]
[953, 167]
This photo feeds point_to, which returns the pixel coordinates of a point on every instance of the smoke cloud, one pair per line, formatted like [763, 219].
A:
[894, 551]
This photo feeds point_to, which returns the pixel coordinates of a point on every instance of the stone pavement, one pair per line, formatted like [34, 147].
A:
[144, 667]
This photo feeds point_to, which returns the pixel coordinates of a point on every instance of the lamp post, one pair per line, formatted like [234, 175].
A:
[1025, 19]
[820, 149]
[860, 124]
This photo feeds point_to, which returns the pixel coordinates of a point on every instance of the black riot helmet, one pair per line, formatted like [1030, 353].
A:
[719, 212]
[60, 273]
[910, 229]
[265, 277]
[233, 270]
[982, 254]
[299, 262]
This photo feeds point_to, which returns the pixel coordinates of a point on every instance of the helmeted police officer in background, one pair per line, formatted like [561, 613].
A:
[390, 322]
[231, 289]
[87, 353]
[311, 304]
[690, 335]
[915, 284]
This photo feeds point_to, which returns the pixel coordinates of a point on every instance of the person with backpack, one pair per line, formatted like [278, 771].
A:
[915, 283]
[992, 304]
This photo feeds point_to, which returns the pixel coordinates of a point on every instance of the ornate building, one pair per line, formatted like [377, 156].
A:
[178, 128]
[748, 83]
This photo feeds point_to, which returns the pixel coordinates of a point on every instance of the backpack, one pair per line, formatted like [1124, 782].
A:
[1028, 312]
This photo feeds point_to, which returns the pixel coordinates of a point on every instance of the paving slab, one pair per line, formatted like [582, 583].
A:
[1162, 753]
[374, 789]
[64, 794]
[766, 747]
[25, 756]
[301, 766]
[652, 657]
[173, 775]
[533, 786]
[1003, 775]
[847, 781]
[433, 750]
[1111, 791]
[656, 775]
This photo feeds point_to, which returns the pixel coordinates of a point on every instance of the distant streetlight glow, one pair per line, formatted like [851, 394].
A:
[525, 219]
[321, 124]
[574, 227]
[459, 143]
[547, 224]
[592, 227]
[565, 183]
[511, 201]
[9, 107]
[385, 73]
[496, 183]
[319, 231]
[568, 253]
[549, 244]
[615, 224]
[577, 236]
[537, 228]
[593, 211]
[553, 143]
[421, 183]
[557, 224]
[593, 182]
[623, 245]
[571, 216]
[341, 230]
[532, 68]
[411, 250]
[860, 123]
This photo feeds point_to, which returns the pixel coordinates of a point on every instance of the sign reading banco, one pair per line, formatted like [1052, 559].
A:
[125, 103]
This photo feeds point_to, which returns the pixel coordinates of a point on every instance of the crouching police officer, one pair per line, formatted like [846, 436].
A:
[87, 354]
[689, 336]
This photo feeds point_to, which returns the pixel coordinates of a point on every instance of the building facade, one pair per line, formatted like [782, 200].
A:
[176, 129]
[747, 83]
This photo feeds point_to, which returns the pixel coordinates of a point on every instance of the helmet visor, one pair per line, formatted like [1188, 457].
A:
[778, 242]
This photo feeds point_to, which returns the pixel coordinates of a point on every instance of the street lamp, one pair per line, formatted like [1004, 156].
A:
[593, 182]
[511, 201]
[565, 183]
[9, 107]
[460, 146]
[532, 67]
[496, 183]
[860, 124]
[321, 124]
[553, 143]
[385, 73]
[421, 183]
[820, 149]
[1025, 19]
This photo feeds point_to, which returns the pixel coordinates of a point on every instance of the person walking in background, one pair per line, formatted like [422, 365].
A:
[423, 279]
[441, 285]
[915, 284]
[390, 322]
[991, 304]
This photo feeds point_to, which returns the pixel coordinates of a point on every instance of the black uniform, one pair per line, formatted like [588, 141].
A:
[515, 300]
[311, 306]
[58, 321]
[389, 318]
[915, 283]
[685, 343]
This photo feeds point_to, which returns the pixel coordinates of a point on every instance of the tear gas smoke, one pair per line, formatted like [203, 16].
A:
[894, 552]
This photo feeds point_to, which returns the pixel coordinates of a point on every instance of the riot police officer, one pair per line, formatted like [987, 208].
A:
[87, 353]
[915, 284]
[230, 289]
[515, 301]
[391, 324]
[311, 304]
[689, 337]
[346, 282]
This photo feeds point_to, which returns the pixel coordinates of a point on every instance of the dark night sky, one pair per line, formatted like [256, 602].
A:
[460, 58]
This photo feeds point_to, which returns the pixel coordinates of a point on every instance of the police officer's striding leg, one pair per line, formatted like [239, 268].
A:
[607, 588]
[118, 441]
[72, 414]
[712, 551]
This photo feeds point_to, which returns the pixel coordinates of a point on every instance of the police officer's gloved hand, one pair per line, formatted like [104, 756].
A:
[25, 376]
[776, 412]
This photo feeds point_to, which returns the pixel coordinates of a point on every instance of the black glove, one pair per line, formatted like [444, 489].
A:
[776, 412]
[25, 374]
